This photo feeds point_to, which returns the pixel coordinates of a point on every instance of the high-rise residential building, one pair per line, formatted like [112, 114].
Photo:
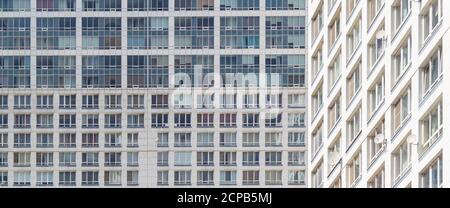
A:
[152, 93]
[378, 105]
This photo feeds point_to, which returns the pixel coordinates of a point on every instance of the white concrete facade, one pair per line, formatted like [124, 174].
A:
[394, 134]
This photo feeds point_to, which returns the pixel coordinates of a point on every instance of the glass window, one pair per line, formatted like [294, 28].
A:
[132, 178]
[228, 177]
[113, 120]
[285, 32]
[113, 178]
[56, 72]
[273, 119]
[194, 32]
[250, 120]
[113, 101]
[67, 140]
[227, 158]
[401, 110]
[354, 127]
[160, 120]
[205, 139]
[205, 158]
[101, 72]
[90, 121]
[205, 177]
[56, 34]
[273, 177]
[432, 176]
[228, 139]
[401, 160]
[148, 5]
[239, 32]
[55, 5]
[354, 169]
[227, 119]
[135, 121]
[89, 159]
[67, 101]
[431, 73]
[89, 178]
[431, 127]
[273, 139]
[14, 71]
[102, 5]
[133, 140]
[44, 102]
[135, 101]
[148, 71]
[163, 178]
[182, 177]
[182, 120]
[285, 4]
[240, 5]
[44, 121]
[67, 159]
[182, 159]
[239, 70]
[296, 139]
[194, 5]
[67, 120]
[285, 70]
[15, 33]
[102, 32]
[401, 60]
[148, 32]
[22, 178]
[376, 95]
[89, 140]
[15, 5]
[194, 71]
[113, 158]
[400, 11]
[354, 37]
[250, 177]
[160, 101]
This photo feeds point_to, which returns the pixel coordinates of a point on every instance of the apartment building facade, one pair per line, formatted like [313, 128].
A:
[152, 93]
[378, 104]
